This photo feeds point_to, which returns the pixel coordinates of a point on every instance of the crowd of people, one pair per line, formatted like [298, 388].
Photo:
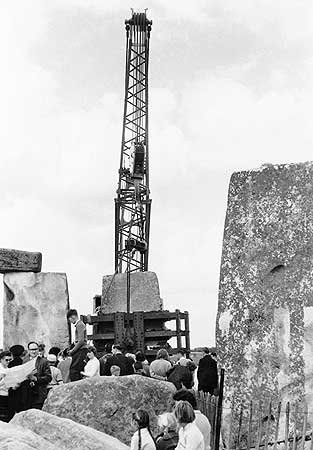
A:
[81, 361]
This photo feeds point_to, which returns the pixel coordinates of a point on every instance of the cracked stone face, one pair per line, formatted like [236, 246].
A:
[264, 326]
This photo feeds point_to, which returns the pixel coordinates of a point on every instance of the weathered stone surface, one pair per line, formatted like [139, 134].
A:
[107, 403]
[34, 308]
[19, 261]
[13, 437]
[265, 312]
[144, 292]
[64, 433]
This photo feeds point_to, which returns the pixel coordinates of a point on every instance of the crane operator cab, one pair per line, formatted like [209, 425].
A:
[137, 168]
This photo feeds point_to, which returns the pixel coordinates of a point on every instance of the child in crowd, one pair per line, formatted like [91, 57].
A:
[190, 437]
[142, 439]
[168, 438]
[115, 371]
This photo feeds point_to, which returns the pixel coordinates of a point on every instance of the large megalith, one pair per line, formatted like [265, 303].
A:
[107, 403]
[265, 313]
[34, 308]
[144, 292]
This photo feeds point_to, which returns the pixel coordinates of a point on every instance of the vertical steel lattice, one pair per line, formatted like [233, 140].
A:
[132, 205]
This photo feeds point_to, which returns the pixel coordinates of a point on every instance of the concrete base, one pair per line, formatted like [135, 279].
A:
[144, 289]
[34, 308]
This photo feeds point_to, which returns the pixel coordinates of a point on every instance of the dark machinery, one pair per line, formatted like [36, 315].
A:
[143, 330]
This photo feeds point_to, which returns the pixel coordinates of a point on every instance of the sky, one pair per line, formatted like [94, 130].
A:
[231, 88]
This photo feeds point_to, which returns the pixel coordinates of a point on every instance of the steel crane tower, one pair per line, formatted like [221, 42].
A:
[133, 204]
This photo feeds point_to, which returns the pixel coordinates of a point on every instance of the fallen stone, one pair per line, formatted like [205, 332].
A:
[265, 311]
[144, 292]
[14, 437]
[19, 261]
[34, 308]
[107, 403]
[64, 433]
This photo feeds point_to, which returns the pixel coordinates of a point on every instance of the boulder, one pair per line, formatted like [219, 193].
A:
[34, 308]
[14, 437]
[19, 261]
[64, 433]
[265, 310]
[144, 292]
[107, 403]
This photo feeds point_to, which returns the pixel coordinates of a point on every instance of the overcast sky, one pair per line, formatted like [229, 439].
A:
[231, 88]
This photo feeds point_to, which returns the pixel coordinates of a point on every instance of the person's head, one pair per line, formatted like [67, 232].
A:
[181, 353]
[54, 351]
[141, 417]
[140, 357]
[187, 396]
[33, 349]
[108, 348]
[116, 348]
[115, 371]
[191, 365]
[17, 351]
[5, 358]
[72, 315]
[184, 413]
[167, 422]
[91, 352]
[162, 354]
[206, 351]
[65, 353]
[52, 359]
[41, 349]
[214, 356]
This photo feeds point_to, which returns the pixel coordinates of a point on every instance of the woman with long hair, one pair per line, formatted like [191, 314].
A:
[190, 437]
[142, 439]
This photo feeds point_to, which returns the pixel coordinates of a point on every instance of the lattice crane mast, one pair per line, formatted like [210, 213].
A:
[133, 204]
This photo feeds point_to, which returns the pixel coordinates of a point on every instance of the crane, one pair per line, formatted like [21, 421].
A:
[133, 203]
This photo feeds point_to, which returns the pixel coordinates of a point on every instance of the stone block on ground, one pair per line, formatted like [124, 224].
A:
[34, 308]
[144, 289]
[14, 437]
[265, 311]
[107, 403]
[64, 433]
[19, 261]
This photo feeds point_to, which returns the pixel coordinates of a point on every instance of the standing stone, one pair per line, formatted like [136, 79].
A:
[144, 292]
[34, 308]
[265, 312]
[19, 261]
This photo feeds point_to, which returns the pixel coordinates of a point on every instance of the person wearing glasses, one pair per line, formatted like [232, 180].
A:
[39, 378]
[5, 359]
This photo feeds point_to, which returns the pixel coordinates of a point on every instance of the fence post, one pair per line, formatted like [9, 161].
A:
[219, 411]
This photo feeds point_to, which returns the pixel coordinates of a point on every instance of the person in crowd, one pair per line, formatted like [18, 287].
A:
[54, 351]
[92, 368]
[129, 353]
[181, 375]
[55, 371]
[105, 356]
[142, 439]
[64, 365]
[168, 439]
[17, 352]
[42, 349]
[5, 359]
[207, 373]
[115, 371]
[160, 366]
[141, 365]
[189, 435]
[118, 359]
[39, 378]
[201, 420]
[79, 351]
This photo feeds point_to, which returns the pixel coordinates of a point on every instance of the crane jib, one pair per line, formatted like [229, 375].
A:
[133, 203]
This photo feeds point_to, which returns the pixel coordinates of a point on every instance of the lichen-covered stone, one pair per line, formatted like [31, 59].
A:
[265, 312]
[107, 403]
[14, 437]
[34, 308]
[144, 292]
[64, 433]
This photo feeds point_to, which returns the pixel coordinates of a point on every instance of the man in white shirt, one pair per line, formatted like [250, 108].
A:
[201, 421]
